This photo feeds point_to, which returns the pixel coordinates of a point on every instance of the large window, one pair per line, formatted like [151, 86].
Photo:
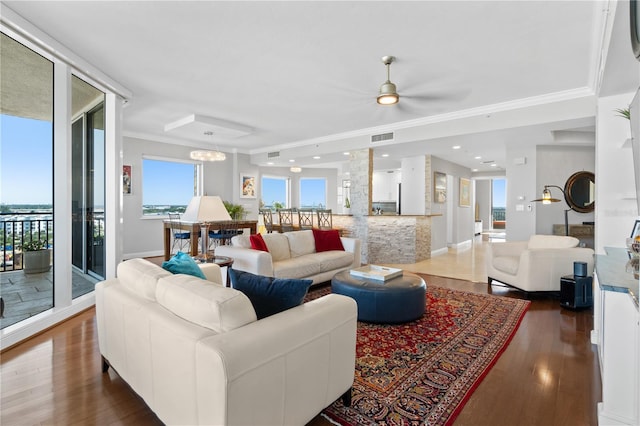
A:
[275, 192]
[313, 193]
[26, 182]
[168, 185]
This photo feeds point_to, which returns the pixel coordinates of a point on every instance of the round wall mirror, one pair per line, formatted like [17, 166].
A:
[579, 191]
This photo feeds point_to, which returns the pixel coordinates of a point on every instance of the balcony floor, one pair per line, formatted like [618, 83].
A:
[26, 295]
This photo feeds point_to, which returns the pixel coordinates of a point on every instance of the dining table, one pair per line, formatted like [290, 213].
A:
[194, 229]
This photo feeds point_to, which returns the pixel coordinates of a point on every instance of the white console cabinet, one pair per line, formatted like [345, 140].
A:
[616, 333]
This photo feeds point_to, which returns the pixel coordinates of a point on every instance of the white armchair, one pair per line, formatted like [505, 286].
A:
[537, 264]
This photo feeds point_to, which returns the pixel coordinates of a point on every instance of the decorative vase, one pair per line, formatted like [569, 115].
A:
[37, 261]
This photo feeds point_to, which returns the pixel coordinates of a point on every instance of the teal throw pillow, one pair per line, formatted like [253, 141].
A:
[182, 263]
[269, 295]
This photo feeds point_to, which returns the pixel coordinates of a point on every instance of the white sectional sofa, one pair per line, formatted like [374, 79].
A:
[194, 351]
[537, 264]
[292, 255]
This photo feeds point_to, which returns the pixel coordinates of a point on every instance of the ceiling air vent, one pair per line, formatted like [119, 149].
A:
[382, 137]
[273, 154]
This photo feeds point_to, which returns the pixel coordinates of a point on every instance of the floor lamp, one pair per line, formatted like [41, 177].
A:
[208, 208]
[548, 199]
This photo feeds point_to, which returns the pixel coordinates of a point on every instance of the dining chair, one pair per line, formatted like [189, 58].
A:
[181, 239]
[305, 218]
[285, 217]
[325, 218]
[267, 219]
[222, 236]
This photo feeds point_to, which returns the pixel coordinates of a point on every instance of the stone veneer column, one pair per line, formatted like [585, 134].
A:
[428, 184]
[361, 176]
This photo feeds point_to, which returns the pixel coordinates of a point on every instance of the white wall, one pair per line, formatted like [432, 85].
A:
[555, 164]
[521, 182]
[616, 209]
[413, 188]
[483, 201]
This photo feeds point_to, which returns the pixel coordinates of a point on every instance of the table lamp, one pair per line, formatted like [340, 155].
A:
[207, 208]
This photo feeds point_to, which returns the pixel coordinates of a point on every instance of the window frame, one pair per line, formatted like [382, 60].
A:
[287, 189]
[198, 180]
[325, 195]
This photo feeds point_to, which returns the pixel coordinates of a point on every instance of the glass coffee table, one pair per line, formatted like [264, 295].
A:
[221, 261]
[397, 300]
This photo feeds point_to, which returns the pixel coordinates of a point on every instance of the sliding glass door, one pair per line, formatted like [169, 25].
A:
[88, 183]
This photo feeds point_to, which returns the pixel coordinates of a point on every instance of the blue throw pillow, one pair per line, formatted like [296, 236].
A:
[182, 263]
[269, 295]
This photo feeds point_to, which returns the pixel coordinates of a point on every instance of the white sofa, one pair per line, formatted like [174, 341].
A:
[194, 351]
[537, 264]
[292, 255]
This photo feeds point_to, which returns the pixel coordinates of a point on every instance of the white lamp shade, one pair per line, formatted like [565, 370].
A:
[206, 209]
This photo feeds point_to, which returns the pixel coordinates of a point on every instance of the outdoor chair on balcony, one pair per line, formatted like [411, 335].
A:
[305, 219]
[325, 219]
[181, 238]
[285, 217]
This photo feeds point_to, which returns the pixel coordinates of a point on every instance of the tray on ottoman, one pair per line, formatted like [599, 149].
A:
[375, 272]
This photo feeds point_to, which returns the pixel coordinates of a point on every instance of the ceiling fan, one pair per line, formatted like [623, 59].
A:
[388, 93]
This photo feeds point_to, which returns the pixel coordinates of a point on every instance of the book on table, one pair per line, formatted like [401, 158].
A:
[375, 272]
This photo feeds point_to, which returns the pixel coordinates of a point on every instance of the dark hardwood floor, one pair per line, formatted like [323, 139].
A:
[548, 375]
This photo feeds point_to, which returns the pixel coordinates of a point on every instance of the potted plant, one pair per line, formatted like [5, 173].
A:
[36, 257]
[236, 211]
[347, 205]
[624, 112]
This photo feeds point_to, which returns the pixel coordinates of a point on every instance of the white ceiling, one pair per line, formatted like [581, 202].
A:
[304, 75]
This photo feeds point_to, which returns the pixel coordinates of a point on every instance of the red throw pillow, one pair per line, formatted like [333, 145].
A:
[257, 242]
[327, 240]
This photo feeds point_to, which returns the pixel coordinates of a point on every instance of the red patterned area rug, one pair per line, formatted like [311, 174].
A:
[423, 372]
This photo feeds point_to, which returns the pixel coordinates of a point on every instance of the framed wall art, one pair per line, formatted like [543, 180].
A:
[465, 192]
[439, 187]
[247, 186]
[126, 180]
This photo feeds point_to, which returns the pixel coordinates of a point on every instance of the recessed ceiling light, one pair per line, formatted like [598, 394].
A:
[385, 155]
[346, 153]
[316, 157]
[494, 165]
[292, 161]
[474, 170]
[456, 147]
[270, 163]
[477, 157]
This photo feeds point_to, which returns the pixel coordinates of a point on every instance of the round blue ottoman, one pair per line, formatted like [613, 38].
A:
[397, 300]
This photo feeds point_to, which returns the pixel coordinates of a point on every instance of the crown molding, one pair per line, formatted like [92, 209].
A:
[483, 111]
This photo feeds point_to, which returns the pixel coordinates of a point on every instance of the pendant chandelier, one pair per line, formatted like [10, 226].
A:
[208, 155]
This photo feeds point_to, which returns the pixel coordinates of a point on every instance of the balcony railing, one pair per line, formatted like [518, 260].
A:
[19, 228]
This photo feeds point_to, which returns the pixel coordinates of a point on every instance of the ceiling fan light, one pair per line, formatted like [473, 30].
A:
[389, 99]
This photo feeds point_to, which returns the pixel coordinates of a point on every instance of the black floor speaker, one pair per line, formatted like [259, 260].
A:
[576, 292]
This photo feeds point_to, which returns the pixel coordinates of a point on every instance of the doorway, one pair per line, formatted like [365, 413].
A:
[498, 204]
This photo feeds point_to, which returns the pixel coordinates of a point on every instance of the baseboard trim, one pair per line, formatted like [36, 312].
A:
[440, 252]
[462, 245]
